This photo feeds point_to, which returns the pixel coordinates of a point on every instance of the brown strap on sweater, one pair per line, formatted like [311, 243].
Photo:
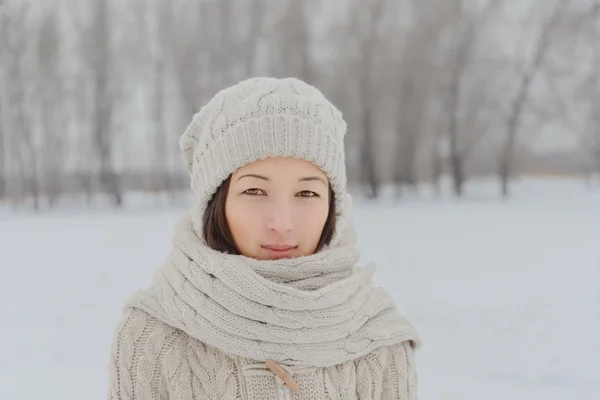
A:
[285, 377]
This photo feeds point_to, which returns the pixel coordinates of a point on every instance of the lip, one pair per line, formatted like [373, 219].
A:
[276, 251]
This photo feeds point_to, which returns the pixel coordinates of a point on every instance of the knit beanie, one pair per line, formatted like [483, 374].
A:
[259, 118]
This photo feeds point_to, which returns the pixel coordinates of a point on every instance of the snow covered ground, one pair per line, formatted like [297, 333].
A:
[506, 294]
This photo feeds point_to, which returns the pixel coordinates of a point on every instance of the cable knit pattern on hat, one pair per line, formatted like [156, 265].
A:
[210, 321]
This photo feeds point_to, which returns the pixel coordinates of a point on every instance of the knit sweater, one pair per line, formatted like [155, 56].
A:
[151, 360]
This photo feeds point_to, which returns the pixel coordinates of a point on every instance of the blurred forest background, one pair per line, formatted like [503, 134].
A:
[94, 94]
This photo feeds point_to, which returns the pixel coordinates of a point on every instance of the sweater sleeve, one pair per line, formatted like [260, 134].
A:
[400, 375]
[138, 349]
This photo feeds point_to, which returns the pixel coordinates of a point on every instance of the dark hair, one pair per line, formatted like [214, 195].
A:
[216, 232]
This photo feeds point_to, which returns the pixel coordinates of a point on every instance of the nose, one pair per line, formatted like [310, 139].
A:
[281, 218]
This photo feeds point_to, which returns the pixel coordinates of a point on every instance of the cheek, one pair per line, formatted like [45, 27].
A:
[243, 221]
[311, 220]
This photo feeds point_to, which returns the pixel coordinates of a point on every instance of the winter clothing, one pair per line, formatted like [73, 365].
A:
[221, 326]
[258, 118]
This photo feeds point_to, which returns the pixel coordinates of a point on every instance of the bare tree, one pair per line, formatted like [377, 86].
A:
[223, 32]
[290, 44]
[158, 50]
[22, 144]
[417, 85]
[191, 52]
[590, 89]
[99, 57]
[3, 135]
[148, 49]
[578, 105]
[50, 88]
[590, 134]
[362, 32]
[248, 48]
[525, 81]
[422, 83]
[468, 31]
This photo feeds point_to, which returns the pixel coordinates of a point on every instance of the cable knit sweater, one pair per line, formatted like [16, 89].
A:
[152, 360]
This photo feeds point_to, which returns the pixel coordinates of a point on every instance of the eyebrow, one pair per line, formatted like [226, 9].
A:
[264, 178]
[312, 178]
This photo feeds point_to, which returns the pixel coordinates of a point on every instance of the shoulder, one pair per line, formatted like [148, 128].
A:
[389, 371]
[139, 349]
[398, 358]
[400, 373]
[138, 330]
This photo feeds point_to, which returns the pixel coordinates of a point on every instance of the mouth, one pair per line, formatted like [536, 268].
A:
[276, 251]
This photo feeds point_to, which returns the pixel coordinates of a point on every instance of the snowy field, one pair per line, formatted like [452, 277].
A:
[506, 294]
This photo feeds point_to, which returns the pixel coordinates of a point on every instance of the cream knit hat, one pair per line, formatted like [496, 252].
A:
[258, 118]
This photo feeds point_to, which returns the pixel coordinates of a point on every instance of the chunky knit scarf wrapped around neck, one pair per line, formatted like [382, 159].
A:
[317, 310]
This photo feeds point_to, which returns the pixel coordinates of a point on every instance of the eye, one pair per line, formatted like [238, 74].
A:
[254, 192]
[307, 193]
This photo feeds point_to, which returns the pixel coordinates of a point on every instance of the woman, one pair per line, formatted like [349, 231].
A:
[260, 297]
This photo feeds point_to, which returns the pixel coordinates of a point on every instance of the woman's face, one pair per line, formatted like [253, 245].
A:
[277, 208]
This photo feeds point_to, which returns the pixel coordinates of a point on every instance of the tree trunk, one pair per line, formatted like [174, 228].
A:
[408, 130]
[163, 180]
[436, 166]
[457, 175]
[3, 175]
[456, 161]
[367, 162]
[103, 104]
[506, 166]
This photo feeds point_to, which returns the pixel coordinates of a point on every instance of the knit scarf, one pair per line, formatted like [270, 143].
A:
[318, 310]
